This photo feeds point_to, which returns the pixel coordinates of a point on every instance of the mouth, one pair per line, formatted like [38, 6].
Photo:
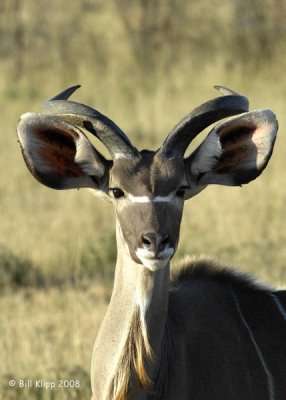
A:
[153, 261]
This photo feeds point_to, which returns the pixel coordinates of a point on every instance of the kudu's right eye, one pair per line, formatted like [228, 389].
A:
[117, 193]
[182, 191]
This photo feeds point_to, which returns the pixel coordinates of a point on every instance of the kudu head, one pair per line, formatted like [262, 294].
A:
[147, 188]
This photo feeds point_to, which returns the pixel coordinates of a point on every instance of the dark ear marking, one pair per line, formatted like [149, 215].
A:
[59, 155]
[235, 152]
[229, 137]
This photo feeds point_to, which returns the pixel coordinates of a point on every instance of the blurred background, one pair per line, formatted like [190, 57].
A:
[145, 64]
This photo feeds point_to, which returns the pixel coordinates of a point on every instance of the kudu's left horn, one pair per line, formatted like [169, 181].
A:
[98, 124]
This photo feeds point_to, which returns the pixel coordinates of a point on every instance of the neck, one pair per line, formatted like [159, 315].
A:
[130, 337]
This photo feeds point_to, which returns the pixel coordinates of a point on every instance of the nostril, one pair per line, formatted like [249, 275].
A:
[153, 241]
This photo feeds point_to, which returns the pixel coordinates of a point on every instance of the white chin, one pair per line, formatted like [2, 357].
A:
[153, 263]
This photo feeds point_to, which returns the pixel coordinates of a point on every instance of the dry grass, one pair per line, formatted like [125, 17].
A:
[42, 338]
[65, 240]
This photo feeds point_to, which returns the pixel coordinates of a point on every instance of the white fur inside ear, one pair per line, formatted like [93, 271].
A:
[235, 152]
[86, 157]
[264, 136]
[208, 154]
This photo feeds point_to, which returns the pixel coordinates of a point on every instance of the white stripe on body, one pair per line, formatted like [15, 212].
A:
[270, 382]
[279, 305]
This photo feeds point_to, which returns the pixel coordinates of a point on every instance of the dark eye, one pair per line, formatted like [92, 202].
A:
[117, 193]
[181, 191]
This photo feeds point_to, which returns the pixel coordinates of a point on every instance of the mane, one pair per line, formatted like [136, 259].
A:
[132, 364]
[206, 269]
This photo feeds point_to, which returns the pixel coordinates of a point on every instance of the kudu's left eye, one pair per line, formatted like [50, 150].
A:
[117, 193]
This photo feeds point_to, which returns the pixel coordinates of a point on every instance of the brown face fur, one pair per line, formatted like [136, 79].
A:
[150, 202]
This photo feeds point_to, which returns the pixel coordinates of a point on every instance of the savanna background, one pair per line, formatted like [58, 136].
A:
[144, 63]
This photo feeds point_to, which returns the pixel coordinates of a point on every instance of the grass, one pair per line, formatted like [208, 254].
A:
[57, 249]
[42, 335]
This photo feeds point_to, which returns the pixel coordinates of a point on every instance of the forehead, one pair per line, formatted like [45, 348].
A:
[150, 172]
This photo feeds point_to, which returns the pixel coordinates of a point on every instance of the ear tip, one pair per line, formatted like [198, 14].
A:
[25, 120]
[27, 116]
[268, 116]
[271, 115]
[274, 119]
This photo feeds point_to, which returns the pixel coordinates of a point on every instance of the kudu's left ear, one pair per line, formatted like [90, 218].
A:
[234, 153]
[59, 155]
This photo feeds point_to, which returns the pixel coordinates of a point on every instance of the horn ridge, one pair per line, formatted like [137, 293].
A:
[96, 123]
[206, 114]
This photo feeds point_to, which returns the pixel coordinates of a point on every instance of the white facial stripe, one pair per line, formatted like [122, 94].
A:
[146, 199]
[164, 199]
[138, 199]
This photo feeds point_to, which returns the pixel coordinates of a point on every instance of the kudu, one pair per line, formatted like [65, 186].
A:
[207, 333]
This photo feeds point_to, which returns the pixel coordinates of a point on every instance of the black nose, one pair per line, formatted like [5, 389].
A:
[154, 241]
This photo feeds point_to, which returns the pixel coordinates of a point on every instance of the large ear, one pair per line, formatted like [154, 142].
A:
[59, 155]
[234, 153]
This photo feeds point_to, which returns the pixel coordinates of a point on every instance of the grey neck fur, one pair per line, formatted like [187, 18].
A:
[136, 291]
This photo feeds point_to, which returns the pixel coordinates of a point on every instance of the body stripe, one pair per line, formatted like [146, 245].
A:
[279, 305]
[270, 382]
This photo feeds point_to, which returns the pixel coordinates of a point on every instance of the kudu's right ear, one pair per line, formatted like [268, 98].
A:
[234, 153]
[59, 155]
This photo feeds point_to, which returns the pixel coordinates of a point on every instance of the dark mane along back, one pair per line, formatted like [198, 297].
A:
[205, 269]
